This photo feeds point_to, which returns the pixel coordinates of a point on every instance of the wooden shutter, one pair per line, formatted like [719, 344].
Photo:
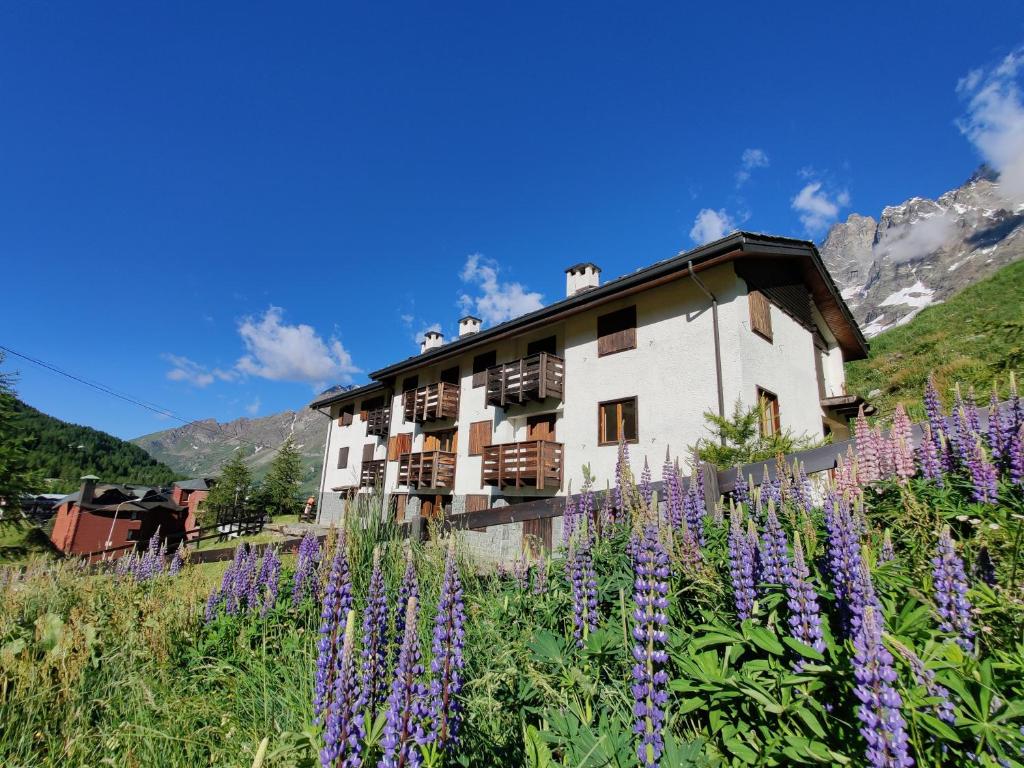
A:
[541, 427]
[479, 437]
[342, 458]
[481, 363]
[431, 442]
[477, 502]
[364, 415]
[368, 450]
[616, 331]
[400, 502]
[398, 445]
[760, 314]
[537, 535]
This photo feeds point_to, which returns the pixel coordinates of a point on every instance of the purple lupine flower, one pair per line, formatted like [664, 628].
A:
[697, 480]
[306, 566]
[406, 706]
[650, 680]
[178, 561]
[372, 685]
[971, 410]
[741, 490]
[343, 730]
[902, 444]
[568, 518]
[882, 724]
[246, 585]
[585, 505]
[229, 591]
[690, 553]
[923, 676]
[607, 509]
[447, 663]
[410, 587]
[928, 456]
[755, 549]
[996, 443]
[693, 509]
[773, 549]
[1015, 457]
[804, 615]
[770, 489]
[336, 605]
[269, 578]
[936, 423]
[802, 493]
[210, 611]
[521, 572]
[984, 477]
[741, 565]
[583, 581]
[673, 492]
[646, 493]
[868, 467]
[887, 553]
[851, 581]
[950, 584]
[540, 576]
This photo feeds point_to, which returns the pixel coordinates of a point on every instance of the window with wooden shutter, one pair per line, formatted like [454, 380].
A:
[769, 404]
[368, 450]
[616, 331]
[760, 314]
[548, 344]
[342, 458]
[481, 363]
[347, 415]
[617, 421]
[398, 445]
[451, 375]
[477, 502]
[479, 437]
[400, 500]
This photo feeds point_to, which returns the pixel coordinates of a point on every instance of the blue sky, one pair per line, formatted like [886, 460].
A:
[219, 207]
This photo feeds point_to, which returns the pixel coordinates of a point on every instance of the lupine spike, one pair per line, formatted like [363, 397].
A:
[741, 565]
[372, 683]
[950, 584]
[406, 710]
[447, 663]
[804, 615]
[343, 732]
[650, 680]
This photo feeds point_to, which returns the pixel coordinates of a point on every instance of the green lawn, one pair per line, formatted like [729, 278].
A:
[975, 338]
[20, 539]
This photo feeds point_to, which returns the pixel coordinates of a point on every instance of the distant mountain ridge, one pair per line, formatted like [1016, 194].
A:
[201, 448]
[923, 251]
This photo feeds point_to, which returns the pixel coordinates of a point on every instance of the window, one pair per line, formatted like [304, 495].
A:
[617, 421]
[398, 445]
[342, 457]
[541, 427]
[368, 450]
[616, 331]
[769, 402]
[547, 344]
[346, 415]
[481, 363]
[760, 314]
[450, 375]
[447, 441]
[410, 382]
[133, 535]
[479, 437]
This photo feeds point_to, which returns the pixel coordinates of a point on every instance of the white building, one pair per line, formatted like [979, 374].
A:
[516, 411]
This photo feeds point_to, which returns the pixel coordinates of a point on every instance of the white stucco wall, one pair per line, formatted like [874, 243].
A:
[353, 437]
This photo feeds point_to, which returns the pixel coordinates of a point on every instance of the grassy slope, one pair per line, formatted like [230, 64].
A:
[975, 338]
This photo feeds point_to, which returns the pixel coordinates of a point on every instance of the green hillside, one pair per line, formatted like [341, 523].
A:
[65, 452]
[975, 338]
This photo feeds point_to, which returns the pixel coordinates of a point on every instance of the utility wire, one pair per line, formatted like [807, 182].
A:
[165, 412]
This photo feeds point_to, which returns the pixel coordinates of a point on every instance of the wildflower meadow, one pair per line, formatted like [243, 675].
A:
[871, 618]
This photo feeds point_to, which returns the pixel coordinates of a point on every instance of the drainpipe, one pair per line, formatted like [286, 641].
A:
[718, 345]
[323, 472]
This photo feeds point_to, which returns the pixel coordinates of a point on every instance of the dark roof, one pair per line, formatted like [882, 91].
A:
[470, 317]
[349, 394]
[196, 484]
[583, 265]
[739, 244]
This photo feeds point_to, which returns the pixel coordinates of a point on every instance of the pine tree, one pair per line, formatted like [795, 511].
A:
[229, 493]
[280, 489]
[16, 475]
[738, 440]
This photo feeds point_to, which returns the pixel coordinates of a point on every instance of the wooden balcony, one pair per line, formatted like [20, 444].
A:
[535, 463]
[371, 475]
[535, 377]
[431, 403]
[378, 421]
[432, 469]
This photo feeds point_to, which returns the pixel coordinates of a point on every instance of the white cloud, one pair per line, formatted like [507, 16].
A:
[913, 240]
[994, 122]
[497, 301]
[750, 159]
[818, 208]
[711, 225]
[282, 352]
[191, 372]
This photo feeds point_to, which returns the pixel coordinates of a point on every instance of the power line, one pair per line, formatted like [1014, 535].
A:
[159, 410]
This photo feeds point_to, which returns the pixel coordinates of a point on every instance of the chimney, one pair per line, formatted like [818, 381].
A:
[468, 325]
[582, 277]
[88, 492]
[432, 340]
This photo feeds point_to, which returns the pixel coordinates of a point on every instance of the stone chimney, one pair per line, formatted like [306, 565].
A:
[432, 340]
[88, 492]
[468, 325]
[582, 277]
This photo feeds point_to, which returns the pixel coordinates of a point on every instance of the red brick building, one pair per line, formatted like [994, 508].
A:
[100, 516]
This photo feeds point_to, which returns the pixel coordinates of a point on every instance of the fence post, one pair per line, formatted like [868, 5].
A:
[709, 479]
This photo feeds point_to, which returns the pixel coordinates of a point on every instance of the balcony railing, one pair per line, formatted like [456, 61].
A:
[534, 463]
[371, 475]
[378, 421]
[432, 402]
[535, 377]
[431, 469]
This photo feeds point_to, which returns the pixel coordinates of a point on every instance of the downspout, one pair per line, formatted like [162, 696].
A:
[718, 345]
[323, 471]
